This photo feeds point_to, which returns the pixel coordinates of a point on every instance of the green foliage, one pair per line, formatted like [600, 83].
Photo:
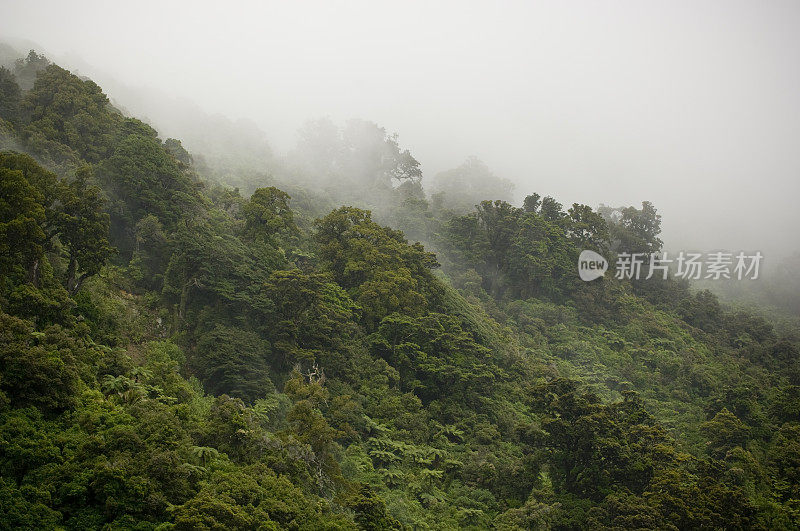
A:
[268, 217]
[40, 369]
[380, 270]
[254, 497]
[542, 259]
[724, 432]
[27, 69]
[311, 320]
[240, 367]
[634, 230]
[529, 252]
[68, 119]
[142, 178]
[211, 267]
[82, 230]
[433, 353]
[26, 507]
[10, 97]
[234, 362]
[41, 212]
[371, 511]
[22, 214]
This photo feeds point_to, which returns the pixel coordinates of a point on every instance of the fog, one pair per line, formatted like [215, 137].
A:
[691, 105]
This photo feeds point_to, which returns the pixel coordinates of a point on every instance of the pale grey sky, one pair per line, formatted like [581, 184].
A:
[693, 105]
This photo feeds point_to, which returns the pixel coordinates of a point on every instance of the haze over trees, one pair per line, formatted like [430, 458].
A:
[461, 188]
[175, 353]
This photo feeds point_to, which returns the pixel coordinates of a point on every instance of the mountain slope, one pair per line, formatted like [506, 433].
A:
[176, 355]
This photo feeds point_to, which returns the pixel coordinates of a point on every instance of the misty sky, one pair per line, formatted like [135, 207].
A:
[694, 106]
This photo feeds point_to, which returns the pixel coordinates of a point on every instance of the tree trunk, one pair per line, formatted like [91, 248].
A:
[33, 273]
[71, 271]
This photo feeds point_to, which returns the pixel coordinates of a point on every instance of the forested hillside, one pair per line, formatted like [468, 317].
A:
[179, 353]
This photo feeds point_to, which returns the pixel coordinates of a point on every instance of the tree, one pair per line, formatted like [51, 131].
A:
[48, 213]
[151, 251]
[373, 159]
[531, 203]
[359, 161]
[269, 218]
[551, 210]
[701, 310]
[68, 118]
[526, 252]
[311, 319]
[251, 498]
[204, 454]
[22, 215]
[724, 432]
[26, 69]
[39, 369]
[784, 456]
[26, 506]
[380, 270]
[598, 448]
[176, 149]
[10, 97]
[233, 361]
[83, 229]
[370, 510]
[28, 193]
[318, 147]
[464, 187]
[212, 268]
[541, 259]
[634, 230]
[500, 223]
[434, 355]
[142, 178]
[587, 228]
[310, 426]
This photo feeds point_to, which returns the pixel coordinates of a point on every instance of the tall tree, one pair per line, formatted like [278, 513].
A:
[22, 215]
[10, 97]
[83, 230]
[464, 187]
[269, 218]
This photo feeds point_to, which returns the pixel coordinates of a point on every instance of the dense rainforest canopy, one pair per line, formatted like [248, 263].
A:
[175, 353]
